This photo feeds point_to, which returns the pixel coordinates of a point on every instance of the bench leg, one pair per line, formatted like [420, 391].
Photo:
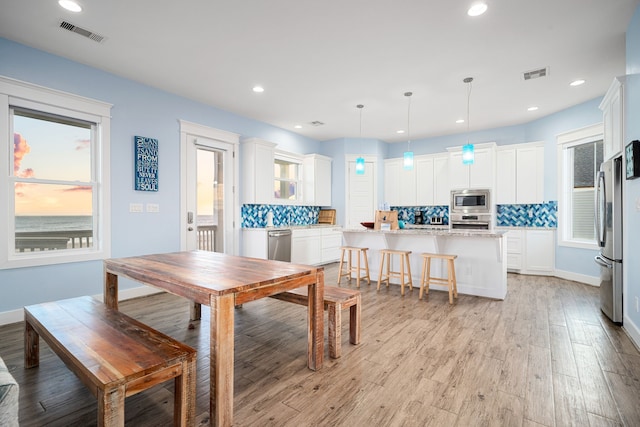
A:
[31, 346]
[111, 407]
[184, 408]
[355, 312]
[195, 311]
[335, 330]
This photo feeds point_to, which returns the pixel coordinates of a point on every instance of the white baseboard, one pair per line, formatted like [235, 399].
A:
[577, 277]
[632, 331]
[15, 316]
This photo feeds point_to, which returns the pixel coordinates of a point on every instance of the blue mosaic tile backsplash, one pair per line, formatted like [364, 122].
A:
[408, 213]
[533, 215]
[255, 216]
[530, 215]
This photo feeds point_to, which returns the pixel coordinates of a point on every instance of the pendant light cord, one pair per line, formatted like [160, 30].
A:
[408, 95]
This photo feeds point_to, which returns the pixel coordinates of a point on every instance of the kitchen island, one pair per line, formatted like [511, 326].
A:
[481, 267]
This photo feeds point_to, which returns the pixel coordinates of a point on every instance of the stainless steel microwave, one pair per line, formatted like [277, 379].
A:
[471, 201]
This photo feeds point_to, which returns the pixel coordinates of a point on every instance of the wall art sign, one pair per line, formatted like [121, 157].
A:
[632, 153]
[146, 155]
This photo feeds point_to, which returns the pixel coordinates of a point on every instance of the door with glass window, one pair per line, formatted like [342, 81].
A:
[209, 199]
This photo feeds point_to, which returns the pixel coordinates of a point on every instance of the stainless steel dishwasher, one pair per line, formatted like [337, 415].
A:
[280, 245]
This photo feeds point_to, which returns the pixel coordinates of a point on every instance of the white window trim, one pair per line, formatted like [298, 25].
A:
[564, 141]
[16, 92]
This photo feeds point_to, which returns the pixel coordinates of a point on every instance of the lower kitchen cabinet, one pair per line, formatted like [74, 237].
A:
[306, 246]
[331, 242]
[530, 251]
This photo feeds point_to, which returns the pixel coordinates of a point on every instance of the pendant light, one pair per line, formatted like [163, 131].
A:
[467, 149]
[408, 155]
[360, 159]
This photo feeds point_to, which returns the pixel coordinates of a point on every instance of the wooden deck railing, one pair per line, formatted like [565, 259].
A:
[30, 241]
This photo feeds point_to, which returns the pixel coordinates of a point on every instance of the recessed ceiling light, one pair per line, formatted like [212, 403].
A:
[298, 126]
[460, 121]
[70, 5]
[534, 108]
[477, 9]
[400, 131]
[258, 89]
[577, 82]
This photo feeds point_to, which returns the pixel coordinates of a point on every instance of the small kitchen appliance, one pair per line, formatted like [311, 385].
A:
[471, 209]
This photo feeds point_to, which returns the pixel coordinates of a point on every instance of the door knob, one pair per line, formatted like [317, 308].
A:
[190, 229]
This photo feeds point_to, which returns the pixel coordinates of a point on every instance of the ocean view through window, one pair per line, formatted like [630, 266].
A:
[56, 170]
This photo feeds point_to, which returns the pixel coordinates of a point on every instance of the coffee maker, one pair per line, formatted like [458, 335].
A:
[418, 214]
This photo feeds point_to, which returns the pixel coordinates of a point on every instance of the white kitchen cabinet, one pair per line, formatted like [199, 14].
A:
[255, 243]
[530, 173]
[530, 250]
[506, 176]
[331, 242]
[317, 180]
[442, 189]
[481, 174]
[432, 179]
[612, 107]
[425, 183]
[257, 171]
[520, 173]
[399, 183]
[306, 246]
[540, 251]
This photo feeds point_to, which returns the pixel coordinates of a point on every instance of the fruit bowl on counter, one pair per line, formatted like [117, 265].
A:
[367, 224]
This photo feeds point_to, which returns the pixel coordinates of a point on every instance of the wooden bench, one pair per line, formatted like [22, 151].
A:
[114, 355]
[335, 300]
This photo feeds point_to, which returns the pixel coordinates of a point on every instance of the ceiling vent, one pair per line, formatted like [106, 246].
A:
[316, 123]
[82, 31]
[534, 74]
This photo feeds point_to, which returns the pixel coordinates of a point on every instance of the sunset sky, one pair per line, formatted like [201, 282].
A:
[52, 151]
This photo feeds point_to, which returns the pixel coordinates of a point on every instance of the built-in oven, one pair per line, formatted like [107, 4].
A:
[471, 201]
[471, 209]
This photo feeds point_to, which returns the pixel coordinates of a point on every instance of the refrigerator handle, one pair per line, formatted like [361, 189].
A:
[603, 262]
[601, 206]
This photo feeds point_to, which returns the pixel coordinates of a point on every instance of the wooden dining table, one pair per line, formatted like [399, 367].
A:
[223, 282]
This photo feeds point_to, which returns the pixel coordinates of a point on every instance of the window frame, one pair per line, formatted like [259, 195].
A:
[566, 141]
[15, 93]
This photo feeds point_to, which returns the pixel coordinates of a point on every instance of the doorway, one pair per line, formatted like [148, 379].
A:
[208, 198]
[361, 196]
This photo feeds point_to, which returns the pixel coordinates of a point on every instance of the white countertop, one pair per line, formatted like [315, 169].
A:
[432, 232]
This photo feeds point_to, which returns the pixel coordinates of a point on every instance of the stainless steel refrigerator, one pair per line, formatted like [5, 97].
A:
[609, 234]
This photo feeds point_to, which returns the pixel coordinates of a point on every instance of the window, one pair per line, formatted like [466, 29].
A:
[580, 154]
[288, 172]
[54, 175]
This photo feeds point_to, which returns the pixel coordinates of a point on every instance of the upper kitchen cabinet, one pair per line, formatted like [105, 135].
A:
[612, 107]
[399, 183]
[257, 171]
[432, 180]
[520, 173]
[480, 174]
[317, 180]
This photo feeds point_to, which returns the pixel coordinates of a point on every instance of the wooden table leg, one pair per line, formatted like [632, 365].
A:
[221, 360]
[195, 311]
[111, 406]
[316, 322]
[31, 346]
[111, 290]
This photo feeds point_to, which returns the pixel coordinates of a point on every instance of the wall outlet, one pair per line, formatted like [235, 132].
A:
[135, 207]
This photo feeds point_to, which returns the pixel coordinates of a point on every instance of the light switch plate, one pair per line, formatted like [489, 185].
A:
[135, 207]
[153, 207]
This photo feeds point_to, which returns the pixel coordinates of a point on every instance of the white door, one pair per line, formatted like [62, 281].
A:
[208, 199]
[361, 197]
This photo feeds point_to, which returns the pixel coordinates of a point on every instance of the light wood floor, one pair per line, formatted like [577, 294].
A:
[543, 356]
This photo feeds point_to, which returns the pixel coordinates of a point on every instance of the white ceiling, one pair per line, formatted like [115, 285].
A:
[318, 59]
